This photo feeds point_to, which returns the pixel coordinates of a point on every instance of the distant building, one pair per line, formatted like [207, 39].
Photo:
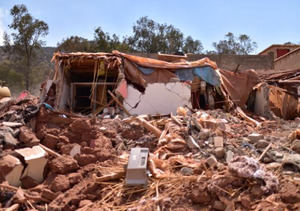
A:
[285, 56]
[278, 50]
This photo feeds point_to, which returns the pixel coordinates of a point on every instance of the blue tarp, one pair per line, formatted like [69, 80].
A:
[145, 70]
[206, 73]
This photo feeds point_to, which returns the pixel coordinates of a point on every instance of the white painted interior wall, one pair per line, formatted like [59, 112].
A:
[159, 98]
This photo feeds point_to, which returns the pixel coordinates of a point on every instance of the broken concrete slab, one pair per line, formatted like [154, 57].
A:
[36, 160]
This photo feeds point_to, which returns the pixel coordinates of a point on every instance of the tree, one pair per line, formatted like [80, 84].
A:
[26, 37]
[192, 46]
[75, 44]
[152, 37]
[241, 45]
[106, 43]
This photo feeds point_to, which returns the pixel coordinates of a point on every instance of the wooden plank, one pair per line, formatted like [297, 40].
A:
[118, 102]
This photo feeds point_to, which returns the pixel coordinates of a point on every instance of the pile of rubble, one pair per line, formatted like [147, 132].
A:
[199, 160]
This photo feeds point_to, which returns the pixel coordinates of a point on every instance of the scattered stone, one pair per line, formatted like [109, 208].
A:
[296, 145]
[254, 137]
[60, 183]
[218, 141]
[273, 166]
[50, 141]
[200, 196]
[218, 205]
[12, 124]
[48, 194]
[296, 180]
[75, 150]
[219, 152]
[11, 170]
[229, 156]
[28, 182]
[291, 162]
[84, 203]
[64, 164]
[10, 140]
[28, 137]
[211, 161]
[85, 159]
[261, 144]
[204, 134]
[74, 178]
[186, 171]
[291, 198]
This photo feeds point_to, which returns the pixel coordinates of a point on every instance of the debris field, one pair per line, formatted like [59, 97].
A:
[198, 160]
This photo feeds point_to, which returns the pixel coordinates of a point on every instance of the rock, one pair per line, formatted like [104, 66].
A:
[296, 146]
[12, 124]
[85, 159]
[246, 201]
[192, 144]
[11, 170]
[74, 178]
[273, 166]
[254, 137]
[219, 152]
[64, 164]
[256, 191]
[28, 182]
[80, 125]
[218, 141]
[200, 196]
[218, 205]
[291, 198]
[9, 139]
[50, 141]
[28, 137]
[204, 134]
[186, 171]
[48, 194]
[84, 203]
[75, 150]
[291, 162]
[296, 180]
[261, 144]
[211, 161]
[60, 183]
[229, 156]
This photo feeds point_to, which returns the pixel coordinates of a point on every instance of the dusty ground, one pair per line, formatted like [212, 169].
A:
[245, 172]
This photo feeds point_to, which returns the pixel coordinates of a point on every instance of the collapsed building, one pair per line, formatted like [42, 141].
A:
[201, 147]
[113, 82]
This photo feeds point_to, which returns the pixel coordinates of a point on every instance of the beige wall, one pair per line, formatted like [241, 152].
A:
[291, 61]
[273, 50]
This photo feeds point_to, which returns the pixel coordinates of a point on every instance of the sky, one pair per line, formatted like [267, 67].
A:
[267, 22]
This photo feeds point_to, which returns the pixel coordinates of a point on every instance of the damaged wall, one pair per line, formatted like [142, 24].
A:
[159, 98]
